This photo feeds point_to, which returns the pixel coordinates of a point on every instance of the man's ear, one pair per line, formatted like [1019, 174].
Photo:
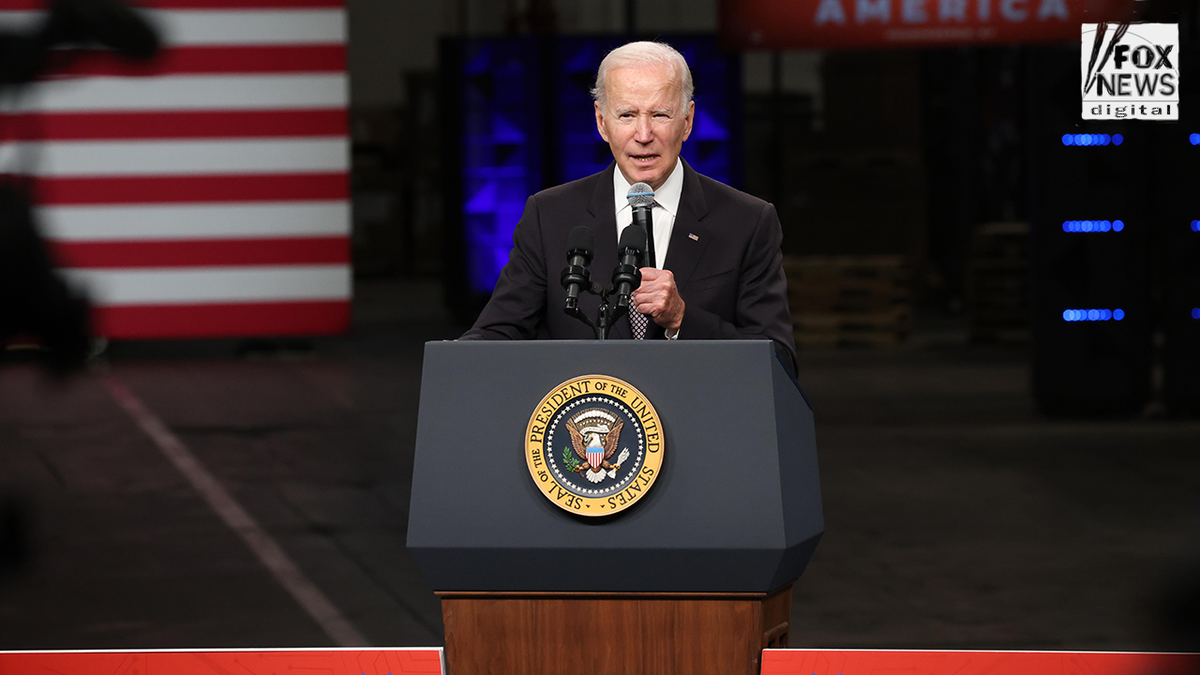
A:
[691, 115]
[600, 121]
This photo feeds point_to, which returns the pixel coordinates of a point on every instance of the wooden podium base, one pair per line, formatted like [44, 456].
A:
[612, 634]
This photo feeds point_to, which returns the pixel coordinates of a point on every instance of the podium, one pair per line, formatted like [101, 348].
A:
[695, 577]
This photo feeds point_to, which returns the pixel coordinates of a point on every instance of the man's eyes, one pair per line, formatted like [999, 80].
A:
[658, 116]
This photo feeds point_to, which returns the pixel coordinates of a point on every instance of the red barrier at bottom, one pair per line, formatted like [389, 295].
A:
[869, 662]
[425, 661]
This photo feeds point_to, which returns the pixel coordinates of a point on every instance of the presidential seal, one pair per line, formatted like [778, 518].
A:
[594, 445]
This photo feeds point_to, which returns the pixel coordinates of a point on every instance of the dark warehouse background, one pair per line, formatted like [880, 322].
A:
[997, 472]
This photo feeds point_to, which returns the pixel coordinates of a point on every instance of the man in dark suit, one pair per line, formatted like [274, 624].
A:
[719, 267]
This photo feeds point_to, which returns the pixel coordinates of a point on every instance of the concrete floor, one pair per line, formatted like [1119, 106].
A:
[955, 516]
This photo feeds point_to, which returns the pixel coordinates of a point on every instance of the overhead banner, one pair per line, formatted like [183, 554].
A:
[847, 24]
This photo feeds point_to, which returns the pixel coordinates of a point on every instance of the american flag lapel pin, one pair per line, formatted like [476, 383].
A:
[693, 237]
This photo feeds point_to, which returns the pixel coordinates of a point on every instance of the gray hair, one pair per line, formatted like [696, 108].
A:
[640, 54]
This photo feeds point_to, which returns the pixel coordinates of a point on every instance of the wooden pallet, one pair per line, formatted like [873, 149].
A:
[853, 329]
[842, 301]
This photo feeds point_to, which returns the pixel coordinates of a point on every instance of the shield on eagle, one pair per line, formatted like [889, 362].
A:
[595, 451]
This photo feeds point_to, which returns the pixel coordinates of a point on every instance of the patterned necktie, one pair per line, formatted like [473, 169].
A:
[639, 322]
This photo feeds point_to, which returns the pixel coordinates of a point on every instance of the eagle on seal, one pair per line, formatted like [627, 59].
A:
[594, 437]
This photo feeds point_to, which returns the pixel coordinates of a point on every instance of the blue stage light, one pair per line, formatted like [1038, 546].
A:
[1102, 225]
[1196, 226]
[1068, 139]
[1118, 139]
[1101, 314]
[1195, 139]
[1196, 312]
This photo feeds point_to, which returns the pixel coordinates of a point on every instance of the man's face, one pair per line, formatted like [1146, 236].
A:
[642, 122]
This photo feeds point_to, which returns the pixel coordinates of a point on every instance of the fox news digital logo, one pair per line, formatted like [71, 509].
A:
[1130, 71]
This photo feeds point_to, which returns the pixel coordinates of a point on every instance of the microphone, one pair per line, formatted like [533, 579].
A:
[641, 198]
[575, 276]
[627, 277]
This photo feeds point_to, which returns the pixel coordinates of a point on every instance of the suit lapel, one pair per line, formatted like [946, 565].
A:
[604, 259]
[685, 251]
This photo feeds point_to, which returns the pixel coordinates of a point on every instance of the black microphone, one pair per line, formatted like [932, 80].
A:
[641, 198]
[627, 277]
[575, 276]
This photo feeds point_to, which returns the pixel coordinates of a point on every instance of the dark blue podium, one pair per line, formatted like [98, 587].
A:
[695, 577]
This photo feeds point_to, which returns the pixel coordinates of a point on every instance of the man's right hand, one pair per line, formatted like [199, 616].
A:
[659, 299]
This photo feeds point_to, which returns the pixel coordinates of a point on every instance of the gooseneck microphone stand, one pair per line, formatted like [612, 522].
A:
[626, 279]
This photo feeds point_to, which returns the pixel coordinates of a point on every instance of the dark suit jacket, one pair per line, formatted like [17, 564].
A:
[730, 276]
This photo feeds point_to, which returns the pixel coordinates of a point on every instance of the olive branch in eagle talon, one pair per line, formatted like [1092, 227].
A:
[606, 445]
[569, 459]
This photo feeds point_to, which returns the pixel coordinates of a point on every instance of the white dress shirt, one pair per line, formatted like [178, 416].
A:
[662, 216]
[666, 205]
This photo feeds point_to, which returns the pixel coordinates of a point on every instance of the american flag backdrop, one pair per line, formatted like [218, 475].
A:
[205, 193]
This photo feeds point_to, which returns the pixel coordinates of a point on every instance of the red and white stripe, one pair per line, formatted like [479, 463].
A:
[205, 193]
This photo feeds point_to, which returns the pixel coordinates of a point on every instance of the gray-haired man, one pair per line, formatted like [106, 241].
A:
[719, 272]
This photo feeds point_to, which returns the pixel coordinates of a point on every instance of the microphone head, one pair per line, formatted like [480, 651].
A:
[632, 237]
[640, 194]
[581, 239]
